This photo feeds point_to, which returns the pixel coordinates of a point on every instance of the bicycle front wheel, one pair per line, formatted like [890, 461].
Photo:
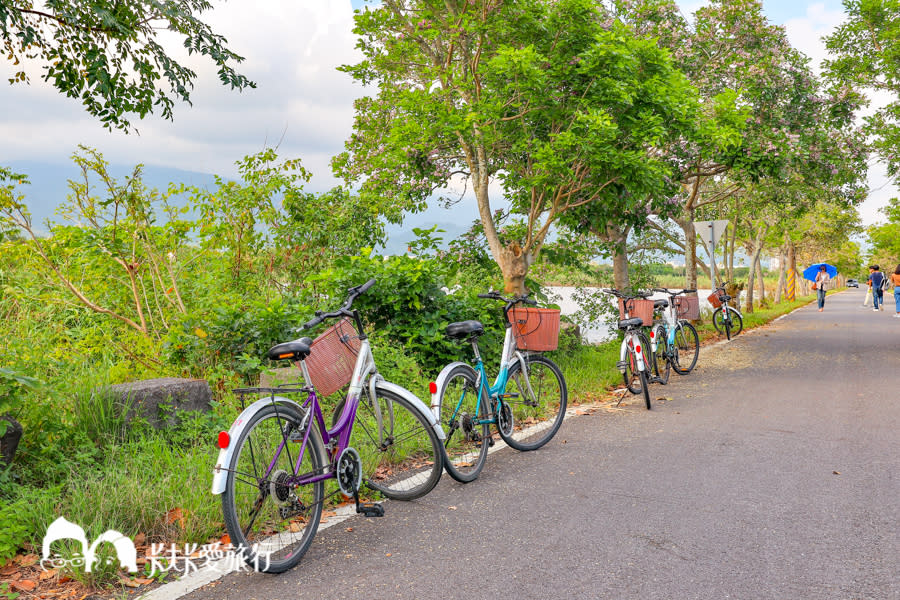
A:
[269, 518]
[537, 398]
[737, 322]
[401, 453]
[645, 387]
[660, 357]
[686, 348]
[467, 441]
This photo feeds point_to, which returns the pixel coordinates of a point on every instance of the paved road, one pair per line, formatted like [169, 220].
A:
[772, 472]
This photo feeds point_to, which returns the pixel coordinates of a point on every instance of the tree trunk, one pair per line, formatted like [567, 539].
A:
[792, 266]
[782, 275]
[690, 249]
[762, 283]
[514, 263]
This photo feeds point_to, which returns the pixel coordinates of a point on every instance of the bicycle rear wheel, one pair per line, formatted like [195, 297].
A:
[271, 520]
[686, 348]
[645, 387]
[467, 442]
[737, 322]
[632, 376]
[402, 458]
[537, 398]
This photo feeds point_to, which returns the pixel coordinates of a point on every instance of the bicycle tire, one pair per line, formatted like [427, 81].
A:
[686, 349]
[406, 463]
[467, 443]
[537, 415]
[277, 541]
[737, 321]
[645, 386]
[661, 364]
[632, 375]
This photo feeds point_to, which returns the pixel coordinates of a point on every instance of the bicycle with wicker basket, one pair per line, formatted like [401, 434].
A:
[673, 340]
[527, 401]
[635, 365]
[276, 457]
[725, 318]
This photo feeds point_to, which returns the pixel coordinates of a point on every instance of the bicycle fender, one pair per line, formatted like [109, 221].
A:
[417, 404]
[439, 382]
[234, 432]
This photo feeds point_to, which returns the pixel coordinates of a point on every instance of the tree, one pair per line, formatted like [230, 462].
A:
[866, 47]
[885, 237]
[557, 102]
[106, 52]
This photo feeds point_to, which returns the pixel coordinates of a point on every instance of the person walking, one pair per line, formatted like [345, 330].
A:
[895, 280]
[876, 279]
[822, 279]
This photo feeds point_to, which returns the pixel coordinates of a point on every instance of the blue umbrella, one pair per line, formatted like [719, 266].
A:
[811, 271]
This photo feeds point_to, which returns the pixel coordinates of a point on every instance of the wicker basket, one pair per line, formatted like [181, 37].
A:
[332, 357]
[714, 300]
[536, 329]
[638, 307]
[687, 307]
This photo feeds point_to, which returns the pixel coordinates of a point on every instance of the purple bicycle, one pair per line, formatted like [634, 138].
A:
[275, 459]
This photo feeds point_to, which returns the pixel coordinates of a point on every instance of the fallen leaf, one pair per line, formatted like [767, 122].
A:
[388, 554]
[143, 580]
[451, 508]
[26, 585]
[225, 539]
[139, 539]
[836, 472]
[26, 560]
[45, 575]
[349, 529]
[129, 582]
[175, 515]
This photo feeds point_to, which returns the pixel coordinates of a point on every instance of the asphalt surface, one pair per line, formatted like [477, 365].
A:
[769, 472]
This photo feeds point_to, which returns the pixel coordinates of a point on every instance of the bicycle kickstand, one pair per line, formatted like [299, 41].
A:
[368, 509]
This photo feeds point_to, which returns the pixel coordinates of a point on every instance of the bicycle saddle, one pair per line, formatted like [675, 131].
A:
[296, 350]
[632, 322]
[464, 329]
[657, 304]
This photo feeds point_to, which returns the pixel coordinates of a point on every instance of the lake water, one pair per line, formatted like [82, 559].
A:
[599, 332]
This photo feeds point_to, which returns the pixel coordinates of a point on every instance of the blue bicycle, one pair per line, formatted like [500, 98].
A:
[527, 401]
[673, 340]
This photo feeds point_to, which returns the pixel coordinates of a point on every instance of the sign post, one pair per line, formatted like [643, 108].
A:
[711, 232]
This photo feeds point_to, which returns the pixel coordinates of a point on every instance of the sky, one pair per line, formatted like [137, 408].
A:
[302, 104]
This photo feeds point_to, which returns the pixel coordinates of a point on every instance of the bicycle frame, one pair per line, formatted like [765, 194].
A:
[510, 353]
[335, 439]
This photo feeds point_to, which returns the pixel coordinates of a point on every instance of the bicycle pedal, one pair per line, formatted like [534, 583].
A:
[490, 442]
[370, 509]
[510, 395]
[620, 365]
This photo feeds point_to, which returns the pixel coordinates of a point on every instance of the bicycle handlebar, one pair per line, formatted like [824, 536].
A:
[344, 311]
[619, 294]
[492, 295]
[671, 293]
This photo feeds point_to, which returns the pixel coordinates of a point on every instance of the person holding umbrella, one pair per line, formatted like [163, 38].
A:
[822, 279]
[820, 274]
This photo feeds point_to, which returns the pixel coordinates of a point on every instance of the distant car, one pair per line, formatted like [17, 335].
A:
[852, 283]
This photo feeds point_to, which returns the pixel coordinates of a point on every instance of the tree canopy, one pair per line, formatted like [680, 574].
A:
[108, 53]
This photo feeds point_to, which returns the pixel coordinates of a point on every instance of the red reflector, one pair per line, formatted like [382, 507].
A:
[432, 387]
[652, 334]
[637, 349]
[224, 439]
